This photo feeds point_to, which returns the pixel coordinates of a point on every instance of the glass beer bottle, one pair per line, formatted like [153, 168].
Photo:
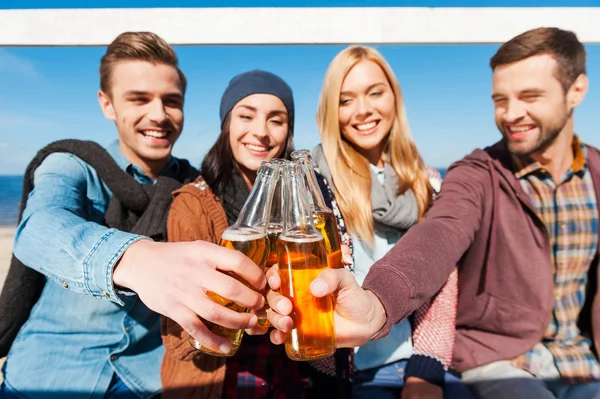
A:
[275, 220]
[249, 236]
[275, 226]
[301, 257]
[324, 219]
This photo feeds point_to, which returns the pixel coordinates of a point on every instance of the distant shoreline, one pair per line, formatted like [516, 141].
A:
[11, 187]
[10, 197]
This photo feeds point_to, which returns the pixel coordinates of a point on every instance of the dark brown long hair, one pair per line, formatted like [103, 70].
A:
[218, 164]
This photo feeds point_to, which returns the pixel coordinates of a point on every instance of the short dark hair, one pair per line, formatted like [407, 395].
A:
[137, 46]
[562, 45]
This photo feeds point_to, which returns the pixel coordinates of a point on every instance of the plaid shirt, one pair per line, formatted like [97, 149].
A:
[570, 212]
[260, 369]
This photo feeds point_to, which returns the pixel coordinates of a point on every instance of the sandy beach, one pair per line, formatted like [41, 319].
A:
[6, 244]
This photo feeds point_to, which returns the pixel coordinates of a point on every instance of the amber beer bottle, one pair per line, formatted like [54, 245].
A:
[301, 257]
[324, 219]
[247, 235]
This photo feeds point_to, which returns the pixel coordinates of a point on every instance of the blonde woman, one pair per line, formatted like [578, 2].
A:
[379, 187]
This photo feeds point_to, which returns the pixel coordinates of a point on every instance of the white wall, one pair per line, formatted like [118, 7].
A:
[217, 26]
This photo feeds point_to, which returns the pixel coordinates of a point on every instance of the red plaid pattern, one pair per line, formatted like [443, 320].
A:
[260, 369]
[569, 210]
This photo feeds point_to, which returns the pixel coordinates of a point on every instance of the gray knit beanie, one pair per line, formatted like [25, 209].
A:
[256, 82]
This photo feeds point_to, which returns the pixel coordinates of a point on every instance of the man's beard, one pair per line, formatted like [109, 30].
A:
[544, 140]
[547, 136]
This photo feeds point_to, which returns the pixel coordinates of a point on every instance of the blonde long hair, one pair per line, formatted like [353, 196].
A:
[349, 169]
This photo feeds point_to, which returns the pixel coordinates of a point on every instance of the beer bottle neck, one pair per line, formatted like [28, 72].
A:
[257, 208]
[316, 200]
[298, 218]
[277, 204]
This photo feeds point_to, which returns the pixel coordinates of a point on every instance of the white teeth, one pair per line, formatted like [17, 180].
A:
[518, 129]
[255, 147]
[366, 126]
[154, 133]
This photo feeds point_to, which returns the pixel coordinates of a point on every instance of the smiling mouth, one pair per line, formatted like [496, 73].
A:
[156, 134]
[366, 127]
[257, 148]
[520, 131]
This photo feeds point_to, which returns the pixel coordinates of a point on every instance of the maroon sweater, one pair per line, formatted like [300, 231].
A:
[483, 222]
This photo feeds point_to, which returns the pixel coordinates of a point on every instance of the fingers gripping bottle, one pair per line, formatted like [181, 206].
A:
[247, 235]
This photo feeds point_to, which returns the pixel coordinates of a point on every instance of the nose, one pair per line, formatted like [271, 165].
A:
[515, 110]
[156, 111]
[363, 107]
[260, 128]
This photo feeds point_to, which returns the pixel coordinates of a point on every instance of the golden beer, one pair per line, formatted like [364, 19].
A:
[255, 246]
[273, 233]
[326, 224]
[300, 262]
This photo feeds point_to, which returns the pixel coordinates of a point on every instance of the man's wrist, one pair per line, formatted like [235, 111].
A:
[378, 316]
[124, 271]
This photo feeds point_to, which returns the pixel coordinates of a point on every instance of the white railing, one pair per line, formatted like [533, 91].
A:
[218, 26]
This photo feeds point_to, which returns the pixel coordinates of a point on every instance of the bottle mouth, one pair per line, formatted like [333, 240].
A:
[300, 154]
[279, 161]
[292, 169]
[275, 168]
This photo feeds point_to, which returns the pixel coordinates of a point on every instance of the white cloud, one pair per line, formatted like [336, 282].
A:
[14, 64]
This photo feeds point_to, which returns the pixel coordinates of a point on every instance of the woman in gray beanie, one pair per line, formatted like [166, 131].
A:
[254, 109]
[257, 123]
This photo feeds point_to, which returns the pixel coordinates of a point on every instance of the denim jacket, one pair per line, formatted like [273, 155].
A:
[82, 330]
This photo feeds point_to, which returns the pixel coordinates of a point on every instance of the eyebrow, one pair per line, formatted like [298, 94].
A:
[532, 91]
[524, 91]
[136, 93]
[346, 93]
[178, 96]
[278, 113]
[247, 107]
[271, 113]
[132, 93]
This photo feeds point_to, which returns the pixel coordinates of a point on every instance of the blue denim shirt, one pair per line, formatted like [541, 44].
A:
[82, 330]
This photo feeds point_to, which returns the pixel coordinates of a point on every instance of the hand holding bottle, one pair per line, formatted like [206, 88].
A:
[358, 315]
[180, 290]
[247, 235]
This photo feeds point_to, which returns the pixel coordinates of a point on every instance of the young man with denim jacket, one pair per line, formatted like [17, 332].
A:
[94, 332]
[520, 219]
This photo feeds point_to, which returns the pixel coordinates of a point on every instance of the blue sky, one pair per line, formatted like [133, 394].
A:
[50, 93]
